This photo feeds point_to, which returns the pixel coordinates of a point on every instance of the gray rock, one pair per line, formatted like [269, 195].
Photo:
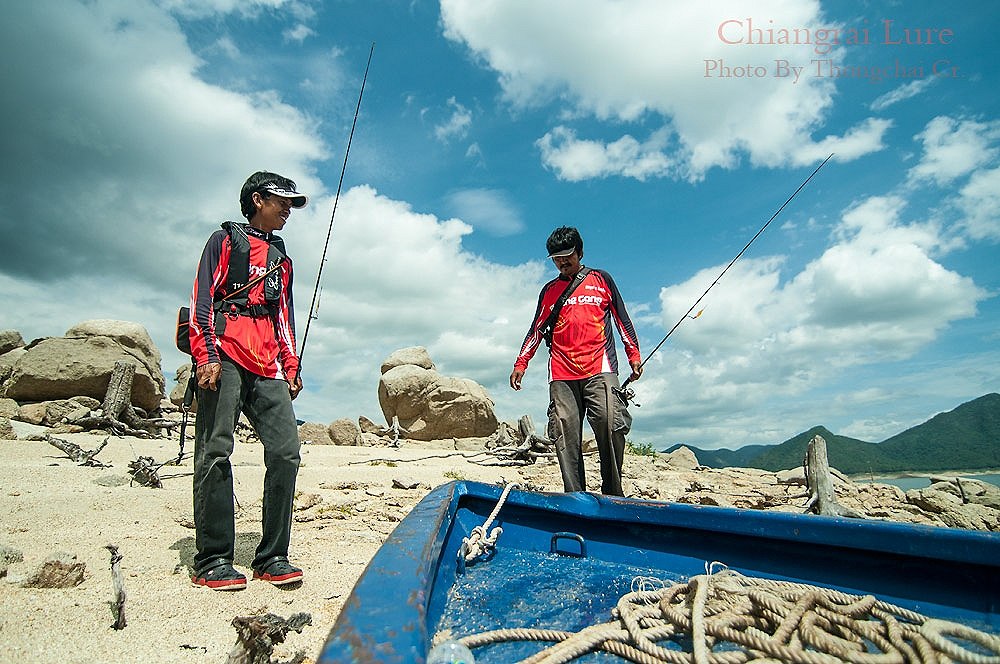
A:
[367, 426]
[7, 362]
[344, 432]
[972, 516]
[406, 483]
[60, 570]
[794, 476]
[969, 490]
[415, 355]
[933, 500]
[367, 439]
[181, 377]
[63, 367]
[10, 555]
[129, 335]
[681, 459]
[314, 433]
[9, 340]
[431, 406]
[51, 413]
[26, 431]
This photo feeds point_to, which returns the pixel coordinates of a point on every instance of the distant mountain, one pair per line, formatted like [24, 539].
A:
[724, 458]
[966, 438]
[848, 455]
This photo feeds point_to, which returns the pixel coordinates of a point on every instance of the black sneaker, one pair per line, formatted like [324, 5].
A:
[279, 572]
[220, 577]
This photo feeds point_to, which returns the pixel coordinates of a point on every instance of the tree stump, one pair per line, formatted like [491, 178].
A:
[117, 413]
[822, 497]
[527, 430]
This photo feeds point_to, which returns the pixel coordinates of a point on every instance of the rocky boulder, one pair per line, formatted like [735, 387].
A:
[51, 413]
[7, 362]
[431, 406]
[181, 377]
[7, 429]
[415, 355]
[9, 340]
[80, 364]
[344, 431]
[313, 433]
[681, 459]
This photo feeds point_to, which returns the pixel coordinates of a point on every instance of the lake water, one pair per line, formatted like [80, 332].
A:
[907, 483]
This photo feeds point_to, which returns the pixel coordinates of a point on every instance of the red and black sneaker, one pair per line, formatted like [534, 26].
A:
[278, 572]
[221, 577]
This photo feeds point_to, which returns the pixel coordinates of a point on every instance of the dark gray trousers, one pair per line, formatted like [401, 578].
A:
[609, 419]
[268, 406]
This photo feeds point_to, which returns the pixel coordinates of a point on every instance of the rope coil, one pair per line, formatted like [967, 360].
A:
[729, 618]
[478, 543]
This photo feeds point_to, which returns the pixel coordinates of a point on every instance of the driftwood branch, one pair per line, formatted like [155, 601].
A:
[117, 413]
[507, 451]
[394, 431]
[822, 497]
[118, 588]
[145, 471]
[77, 453]
[256, 637]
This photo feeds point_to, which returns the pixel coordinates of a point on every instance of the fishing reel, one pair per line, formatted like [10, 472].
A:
[625, 394]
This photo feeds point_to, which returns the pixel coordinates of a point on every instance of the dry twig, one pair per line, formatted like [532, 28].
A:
[118, 586]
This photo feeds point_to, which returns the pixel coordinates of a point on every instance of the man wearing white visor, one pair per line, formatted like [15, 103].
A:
[242, 333]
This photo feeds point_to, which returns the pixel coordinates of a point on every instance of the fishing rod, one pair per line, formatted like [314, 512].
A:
[625, 393]
[333, 215]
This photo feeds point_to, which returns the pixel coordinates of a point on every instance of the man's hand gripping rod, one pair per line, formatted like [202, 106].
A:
[626, 393]
[319, 274]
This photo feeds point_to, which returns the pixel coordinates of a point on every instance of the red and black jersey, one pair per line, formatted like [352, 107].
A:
[583, 343]
[263, 344]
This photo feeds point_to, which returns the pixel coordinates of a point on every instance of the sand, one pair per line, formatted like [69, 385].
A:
[48, 505]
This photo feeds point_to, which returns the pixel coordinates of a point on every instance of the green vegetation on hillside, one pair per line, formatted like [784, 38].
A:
[966, 438]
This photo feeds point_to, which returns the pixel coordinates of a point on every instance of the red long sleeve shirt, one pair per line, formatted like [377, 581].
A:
[583, 343]
[264, 345]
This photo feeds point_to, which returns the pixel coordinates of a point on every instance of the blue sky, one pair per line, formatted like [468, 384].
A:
[668, 132]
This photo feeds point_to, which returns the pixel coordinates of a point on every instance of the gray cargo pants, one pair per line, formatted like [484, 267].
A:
[609, 419]
[268, 405]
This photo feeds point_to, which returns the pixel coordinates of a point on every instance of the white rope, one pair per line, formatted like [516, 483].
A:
[478, 543]
[766, 620]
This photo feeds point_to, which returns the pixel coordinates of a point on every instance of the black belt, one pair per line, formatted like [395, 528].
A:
[251, 310]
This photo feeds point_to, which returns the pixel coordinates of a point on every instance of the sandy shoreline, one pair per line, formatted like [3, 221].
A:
[348, 500]
[50, 505]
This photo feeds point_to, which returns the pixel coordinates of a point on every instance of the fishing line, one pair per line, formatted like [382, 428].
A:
[333, 215]
[625, 393]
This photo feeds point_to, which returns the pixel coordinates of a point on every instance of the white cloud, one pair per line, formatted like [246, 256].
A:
[902, 93]
[133, 152]
[955, 147]
[875, 295]
[979, 199]
[299, 33]
[489, 210]
[397, 278]
[862, 139]
[458, 123]
[205, 8]
[574, 159]
[648, 59]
